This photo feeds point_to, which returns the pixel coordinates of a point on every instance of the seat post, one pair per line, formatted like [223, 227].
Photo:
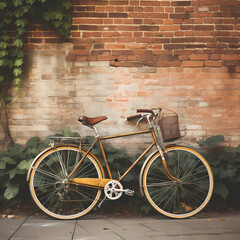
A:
[96, 131]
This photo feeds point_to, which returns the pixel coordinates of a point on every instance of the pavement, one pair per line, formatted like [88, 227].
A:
[92, 227]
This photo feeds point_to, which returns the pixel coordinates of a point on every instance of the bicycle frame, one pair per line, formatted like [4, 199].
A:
[101, 183]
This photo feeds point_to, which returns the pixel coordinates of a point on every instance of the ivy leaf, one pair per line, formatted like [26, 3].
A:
[18, 43]
[3, 53]
[5, 37]
[8, 160]
[1, 78]
[19, 53]
[3, 5]
[2, 165]
[11, 191]
[18, 62]
[1, 64]
[3, 45]
[24, 165]
[12, 173]
[17, 3]
[221, 189]
[67, 5]
[34, 141]
[17, 81]
[20, 31]
[30, 1]
[17, 71]
[21, 23]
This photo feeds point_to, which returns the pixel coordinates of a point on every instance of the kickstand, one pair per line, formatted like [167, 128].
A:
[100, 204]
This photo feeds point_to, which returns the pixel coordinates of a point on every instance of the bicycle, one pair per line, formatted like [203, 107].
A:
[66, 180]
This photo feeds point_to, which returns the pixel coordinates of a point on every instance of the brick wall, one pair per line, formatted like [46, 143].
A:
[128, 54]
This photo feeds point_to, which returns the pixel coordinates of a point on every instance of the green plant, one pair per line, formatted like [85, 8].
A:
[225, 164]
[15, 162]
[14, 18]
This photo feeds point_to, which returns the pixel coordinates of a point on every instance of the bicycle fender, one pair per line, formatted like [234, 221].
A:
[142, 169]
[34, 160]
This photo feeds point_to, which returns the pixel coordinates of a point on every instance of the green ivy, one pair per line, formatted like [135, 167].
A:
[225, 165]
[14, 18]
[14, 165]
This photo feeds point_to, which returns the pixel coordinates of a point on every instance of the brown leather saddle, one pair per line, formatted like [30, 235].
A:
[91, 121]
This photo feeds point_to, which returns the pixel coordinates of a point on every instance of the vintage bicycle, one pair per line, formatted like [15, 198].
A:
[66, 180]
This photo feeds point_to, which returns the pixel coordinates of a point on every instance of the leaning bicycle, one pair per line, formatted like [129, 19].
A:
[67, 180]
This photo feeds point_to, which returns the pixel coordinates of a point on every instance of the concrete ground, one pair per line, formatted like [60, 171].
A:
[90, 227]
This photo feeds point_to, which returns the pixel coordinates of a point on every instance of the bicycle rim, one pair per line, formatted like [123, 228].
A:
[178, 199]
[53, 194]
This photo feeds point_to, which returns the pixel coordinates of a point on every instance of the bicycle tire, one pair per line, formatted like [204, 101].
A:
[49, 189]
[178, 199]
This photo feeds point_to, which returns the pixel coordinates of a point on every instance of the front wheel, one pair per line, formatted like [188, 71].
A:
[51, 190]
[178, 199]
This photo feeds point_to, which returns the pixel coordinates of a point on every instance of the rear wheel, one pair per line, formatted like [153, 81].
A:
[178, 199]
[51, 190]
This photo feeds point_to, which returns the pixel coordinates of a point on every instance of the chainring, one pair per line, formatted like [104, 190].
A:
[113, 190]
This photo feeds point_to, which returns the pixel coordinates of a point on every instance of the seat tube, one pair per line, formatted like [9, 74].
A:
[104, 157]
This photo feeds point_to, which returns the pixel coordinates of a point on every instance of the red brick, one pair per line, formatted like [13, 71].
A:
[179, 16]
[122, 52]
[224, 27]
[213, 64]
[138, 15]
[150, 3]
[173, 46]
[193, 64]
[148, 28]
[199, 57]
[203, 27]
[78, 52]
[158, 15]
[114, 46]
[169, 9]
[148, 9]
[114, 2]
[180, 3]
[118, 15]
[182, 40]
[82, 21]
[88, 27]
[128, 28]
[230, 57]
[137, 21]
[169, 28]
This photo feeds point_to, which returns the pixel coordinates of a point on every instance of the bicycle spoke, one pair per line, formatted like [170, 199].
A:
[51, 189]
[178, 199]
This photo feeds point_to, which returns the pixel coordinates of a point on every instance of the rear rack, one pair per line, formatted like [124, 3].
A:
[61, 140]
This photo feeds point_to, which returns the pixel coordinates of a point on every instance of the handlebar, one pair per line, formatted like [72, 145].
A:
[145, 111]
[134, 116]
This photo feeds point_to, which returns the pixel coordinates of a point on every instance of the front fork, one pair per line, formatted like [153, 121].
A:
[168, 174]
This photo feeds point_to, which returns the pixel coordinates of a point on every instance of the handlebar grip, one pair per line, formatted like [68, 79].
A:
[145, 110]
[134, 116]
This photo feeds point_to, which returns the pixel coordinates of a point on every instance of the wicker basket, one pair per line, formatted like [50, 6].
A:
[169, 126]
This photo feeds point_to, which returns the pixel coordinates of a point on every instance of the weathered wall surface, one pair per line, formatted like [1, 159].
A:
[123, 55]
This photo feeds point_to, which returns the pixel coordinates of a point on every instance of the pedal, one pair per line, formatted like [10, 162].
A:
[129, 192]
